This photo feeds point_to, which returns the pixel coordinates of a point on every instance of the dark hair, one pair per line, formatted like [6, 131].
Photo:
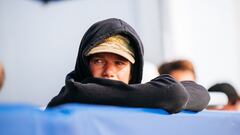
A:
[228, 89]
[168, 67]
[2, 75]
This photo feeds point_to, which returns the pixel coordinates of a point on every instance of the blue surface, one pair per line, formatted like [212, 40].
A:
[83, 119]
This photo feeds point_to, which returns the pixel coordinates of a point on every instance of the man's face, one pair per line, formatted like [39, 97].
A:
[110, 66]
[183, 75]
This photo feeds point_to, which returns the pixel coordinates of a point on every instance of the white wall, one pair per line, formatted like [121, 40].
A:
[206, 32]
[39, 43]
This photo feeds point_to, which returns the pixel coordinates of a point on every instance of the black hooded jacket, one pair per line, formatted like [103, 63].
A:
[161, 92]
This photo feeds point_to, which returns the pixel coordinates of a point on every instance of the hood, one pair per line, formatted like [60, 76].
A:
[96, 34]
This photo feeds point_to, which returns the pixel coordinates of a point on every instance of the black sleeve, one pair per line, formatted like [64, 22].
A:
[198, 96]
[161, 92]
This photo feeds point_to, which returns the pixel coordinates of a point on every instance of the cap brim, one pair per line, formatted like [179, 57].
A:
[102, 49]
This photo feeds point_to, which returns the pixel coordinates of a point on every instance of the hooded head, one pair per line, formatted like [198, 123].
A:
[101, 32]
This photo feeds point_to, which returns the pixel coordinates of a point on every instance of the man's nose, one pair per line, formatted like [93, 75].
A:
[109, 71]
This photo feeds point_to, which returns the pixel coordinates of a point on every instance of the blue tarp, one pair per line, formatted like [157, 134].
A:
[83, 119]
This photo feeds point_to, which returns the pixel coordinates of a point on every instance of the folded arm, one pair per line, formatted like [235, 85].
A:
[161, 92]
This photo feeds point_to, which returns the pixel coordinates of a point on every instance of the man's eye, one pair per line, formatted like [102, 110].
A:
[120, 63]
[97, 61]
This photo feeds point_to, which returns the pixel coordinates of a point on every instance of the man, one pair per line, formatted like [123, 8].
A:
[109, 69]
[112, 59]
[181, 70]
[231, 92]
[2, 76]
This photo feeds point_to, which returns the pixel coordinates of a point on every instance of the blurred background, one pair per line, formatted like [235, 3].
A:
[39, 40]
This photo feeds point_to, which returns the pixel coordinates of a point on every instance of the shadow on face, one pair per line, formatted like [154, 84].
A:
[110, 66]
